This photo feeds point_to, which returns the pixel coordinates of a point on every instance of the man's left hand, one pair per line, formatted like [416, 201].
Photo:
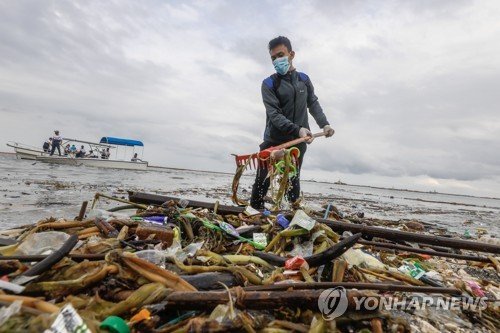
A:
[328, 130]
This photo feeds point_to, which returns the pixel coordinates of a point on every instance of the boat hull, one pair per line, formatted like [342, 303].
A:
[94, 162]
[25, 152]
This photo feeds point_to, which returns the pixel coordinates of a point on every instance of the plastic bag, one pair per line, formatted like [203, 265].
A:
[8, 311]
[42, 243]
[101, 213]
[303, 250]
[153, 256]
[177, 252]
[356, 257]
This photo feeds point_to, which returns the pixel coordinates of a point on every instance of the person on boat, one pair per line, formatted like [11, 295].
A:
[91, 154]
[67, 150]
[135, 158]
[56, 143]
[46, 145]
[105, 154]
[287, 95]
[72, 149]
[81, 152]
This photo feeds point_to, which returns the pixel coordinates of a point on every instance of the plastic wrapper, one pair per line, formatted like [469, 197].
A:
[296, 263]
[301, 219]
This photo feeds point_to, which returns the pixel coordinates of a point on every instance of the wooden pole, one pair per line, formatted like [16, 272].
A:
[306, 299]
[83, 208]
[40, 257]
[380, 245]
[355, 285]
[398, 235]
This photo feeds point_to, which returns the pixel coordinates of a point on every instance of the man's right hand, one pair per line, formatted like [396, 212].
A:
[304, 132]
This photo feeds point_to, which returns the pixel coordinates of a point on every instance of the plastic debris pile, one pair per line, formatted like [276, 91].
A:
[176, 267]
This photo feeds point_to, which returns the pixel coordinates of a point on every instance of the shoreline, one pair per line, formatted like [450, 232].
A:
[160, 168]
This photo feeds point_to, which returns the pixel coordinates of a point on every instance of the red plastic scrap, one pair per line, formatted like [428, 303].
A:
[296, 263]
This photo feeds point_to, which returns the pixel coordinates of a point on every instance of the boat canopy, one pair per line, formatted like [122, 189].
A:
[121, 142]
[87, 142]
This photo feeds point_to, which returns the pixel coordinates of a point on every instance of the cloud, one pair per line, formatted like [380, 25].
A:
[410, 87]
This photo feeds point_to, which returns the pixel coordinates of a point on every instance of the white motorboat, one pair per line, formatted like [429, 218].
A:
[99, 159]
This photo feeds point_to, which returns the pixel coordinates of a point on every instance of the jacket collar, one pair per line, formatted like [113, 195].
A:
[290, 74]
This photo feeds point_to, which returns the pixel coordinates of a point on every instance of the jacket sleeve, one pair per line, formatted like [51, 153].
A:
[314, 107]
[275, 113]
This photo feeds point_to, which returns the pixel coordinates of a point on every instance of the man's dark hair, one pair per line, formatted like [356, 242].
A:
[281, 40]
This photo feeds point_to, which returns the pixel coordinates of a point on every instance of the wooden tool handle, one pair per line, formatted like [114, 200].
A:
[299, 140]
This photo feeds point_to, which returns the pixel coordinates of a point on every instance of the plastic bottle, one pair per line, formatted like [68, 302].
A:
[156, 219]
[183, 203]
[282, 221]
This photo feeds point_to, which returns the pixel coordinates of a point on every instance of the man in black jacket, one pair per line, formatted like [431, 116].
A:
[56, 143]
[287, 95]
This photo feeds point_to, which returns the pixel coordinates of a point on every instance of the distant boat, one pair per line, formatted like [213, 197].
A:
[32, 153]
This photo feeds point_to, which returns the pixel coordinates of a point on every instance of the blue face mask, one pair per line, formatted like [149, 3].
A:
[281, 65]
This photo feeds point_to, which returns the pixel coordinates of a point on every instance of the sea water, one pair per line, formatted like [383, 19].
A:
[31, 191]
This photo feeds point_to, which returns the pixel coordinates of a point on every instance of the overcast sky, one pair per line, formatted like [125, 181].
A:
[412, 88]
